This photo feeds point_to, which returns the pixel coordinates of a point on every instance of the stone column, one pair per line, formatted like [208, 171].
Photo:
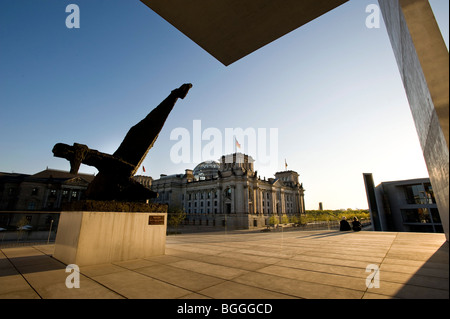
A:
[297, 208]
[233, 199]
[273, 202]
[257, 200]
[302, 203]
[240, 196]
[219, 200]
[261, 198]
[245, 200]
[423, 61]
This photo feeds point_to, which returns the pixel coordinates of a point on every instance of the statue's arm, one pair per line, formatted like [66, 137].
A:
[140, 138]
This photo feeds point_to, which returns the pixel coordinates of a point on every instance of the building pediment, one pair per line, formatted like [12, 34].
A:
[76, 181]
[278, 182]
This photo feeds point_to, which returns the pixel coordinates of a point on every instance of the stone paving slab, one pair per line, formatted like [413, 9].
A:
[246, 265]
[134, 285]
[233, 290]
[297, 287]
[189, 280]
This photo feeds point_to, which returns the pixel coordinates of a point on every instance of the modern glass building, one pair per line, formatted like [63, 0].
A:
[407, 205]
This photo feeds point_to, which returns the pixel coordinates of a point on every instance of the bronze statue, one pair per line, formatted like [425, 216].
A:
[115, 178]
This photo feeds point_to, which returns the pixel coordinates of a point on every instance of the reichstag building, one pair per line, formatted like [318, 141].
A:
[229, 193]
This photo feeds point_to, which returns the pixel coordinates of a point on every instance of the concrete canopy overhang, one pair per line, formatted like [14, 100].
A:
[231, 29]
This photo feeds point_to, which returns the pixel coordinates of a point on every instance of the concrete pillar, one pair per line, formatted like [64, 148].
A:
[423, 61]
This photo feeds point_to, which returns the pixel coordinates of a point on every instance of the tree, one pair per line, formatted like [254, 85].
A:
[21, 227]
[175, 217]
[273, 220]
[21, 223]
[295, 219]
[304, 219]
[284, 219]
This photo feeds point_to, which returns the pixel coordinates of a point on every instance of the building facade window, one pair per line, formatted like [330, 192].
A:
[418, 215]
[435, 217]
[416, 194]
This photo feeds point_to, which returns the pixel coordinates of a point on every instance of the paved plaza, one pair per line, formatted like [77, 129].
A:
[246, 265]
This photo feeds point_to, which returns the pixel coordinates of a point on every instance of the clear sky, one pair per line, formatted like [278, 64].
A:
[332, 90]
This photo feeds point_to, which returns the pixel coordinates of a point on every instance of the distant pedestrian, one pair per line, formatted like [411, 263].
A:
[344, 225]
[356, 225]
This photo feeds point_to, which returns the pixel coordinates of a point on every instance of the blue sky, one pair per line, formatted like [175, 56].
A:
[331, 88]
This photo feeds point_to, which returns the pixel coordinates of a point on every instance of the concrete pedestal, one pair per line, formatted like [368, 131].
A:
[90, 238]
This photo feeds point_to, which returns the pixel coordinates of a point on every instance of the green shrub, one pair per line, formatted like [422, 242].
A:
[335, 215]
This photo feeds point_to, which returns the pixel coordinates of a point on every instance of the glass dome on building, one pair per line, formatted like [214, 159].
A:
[208, 169]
